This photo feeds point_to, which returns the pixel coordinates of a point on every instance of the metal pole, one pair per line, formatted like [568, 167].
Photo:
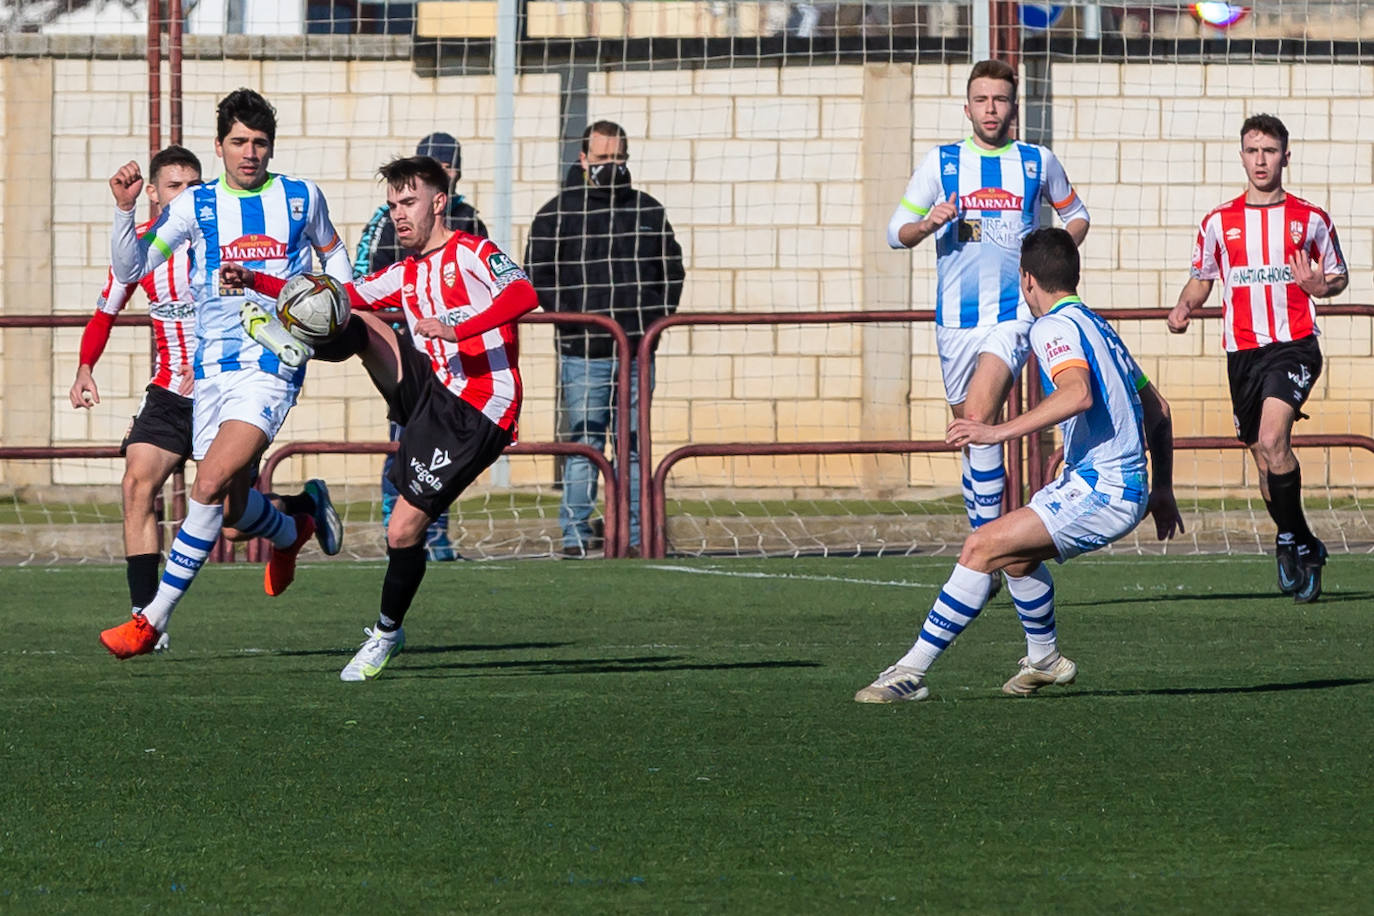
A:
[980, 43]
[507, 18]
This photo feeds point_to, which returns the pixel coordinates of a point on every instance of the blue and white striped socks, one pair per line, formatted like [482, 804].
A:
[189, 550]
[1034, 600]
[960, 601]
[261, 519]
[988, 481]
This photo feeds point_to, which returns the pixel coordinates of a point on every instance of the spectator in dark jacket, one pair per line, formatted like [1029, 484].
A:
[601, 248]
[377, 249]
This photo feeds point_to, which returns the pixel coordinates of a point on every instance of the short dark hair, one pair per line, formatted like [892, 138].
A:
[1265, 124]
[606, 129]
[405, 171]
[249, 109]
[172, 155]
[1051, 257]
[993, 70]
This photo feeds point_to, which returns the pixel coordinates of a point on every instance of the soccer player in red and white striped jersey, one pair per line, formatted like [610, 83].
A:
[1274, 253]
[451, 378]
[159, 438]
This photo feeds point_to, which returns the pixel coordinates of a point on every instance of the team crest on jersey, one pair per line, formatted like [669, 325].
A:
[254, 247]
[991, 199]
[207, 212]
[297, 205]
[450, 273]
[951, 168]
[1295, 231]
[1032, 169]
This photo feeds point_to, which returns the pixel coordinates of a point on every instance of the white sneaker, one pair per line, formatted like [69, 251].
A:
[893, 686]
[374, 655]
[1030, 679]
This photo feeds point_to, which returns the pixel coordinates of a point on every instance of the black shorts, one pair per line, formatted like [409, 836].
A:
[1286, 370]
[446, 444]
[164, 420]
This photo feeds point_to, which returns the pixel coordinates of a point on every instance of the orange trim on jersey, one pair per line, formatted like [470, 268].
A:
[1068, 364]
[1061, 204]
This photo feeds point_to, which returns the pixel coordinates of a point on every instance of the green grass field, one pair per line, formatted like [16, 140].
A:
[680, 737]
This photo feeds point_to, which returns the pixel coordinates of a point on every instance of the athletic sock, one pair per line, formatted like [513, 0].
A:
[1284, 538]
[350, 341]
[1033, 596]
[141, 571]
[960, 601]
[189, 549]
[966, 481]
[261, 519]
[297, 503]
[405, 570]
[1285, 492]
[989, 481]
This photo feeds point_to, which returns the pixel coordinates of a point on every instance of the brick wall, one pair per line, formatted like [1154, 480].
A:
[763, 175]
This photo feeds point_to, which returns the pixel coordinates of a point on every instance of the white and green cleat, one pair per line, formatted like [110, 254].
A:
[374, 655]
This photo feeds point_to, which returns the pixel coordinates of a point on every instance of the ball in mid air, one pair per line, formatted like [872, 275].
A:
[313, 307]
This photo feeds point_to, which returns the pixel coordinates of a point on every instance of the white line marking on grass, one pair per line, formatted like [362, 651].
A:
[733, 574]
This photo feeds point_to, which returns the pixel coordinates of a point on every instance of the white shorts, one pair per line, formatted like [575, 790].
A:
[1080, 519]
[960, 348]
[250, 395]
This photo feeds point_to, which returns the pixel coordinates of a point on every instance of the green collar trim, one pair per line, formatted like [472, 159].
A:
[236, 192]
[975, 148]
[1066, 301]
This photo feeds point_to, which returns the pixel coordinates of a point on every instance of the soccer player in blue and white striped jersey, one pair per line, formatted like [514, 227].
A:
[270, 223]
[1109, 414]
[979, 198]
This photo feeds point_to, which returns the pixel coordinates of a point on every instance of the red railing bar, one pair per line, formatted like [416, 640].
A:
[1230, 443]
[257, 550]
[659, 532]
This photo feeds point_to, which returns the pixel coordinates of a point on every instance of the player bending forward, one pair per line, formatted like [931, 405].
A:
[450, 377]
[1108, 414]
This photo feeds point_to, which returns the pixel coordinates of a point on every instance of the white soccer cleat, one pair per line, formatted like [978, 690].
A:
[895, 685]
[1030, 678]
[264, 327]
[379, 649]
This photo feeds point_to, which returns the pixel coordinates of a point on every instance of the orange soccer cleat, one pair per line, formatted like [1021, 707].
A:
[281, 566]
[133, 637]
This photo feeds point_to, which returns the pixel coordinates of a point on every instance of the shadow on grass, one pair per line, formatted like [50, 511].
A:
[409, 650]
[1332, 597]
[1319, 684]
[644, 664]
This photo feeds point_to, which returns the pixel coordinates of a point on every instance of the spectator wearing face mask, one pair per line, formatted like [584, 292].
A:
[601, 247]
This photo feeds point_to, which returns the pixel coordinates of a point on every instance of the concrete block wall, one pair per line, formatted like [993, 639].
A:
[763, 174]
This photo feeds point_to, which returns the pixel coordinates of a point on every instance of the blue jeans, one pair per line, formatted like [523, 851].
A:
[589, 404]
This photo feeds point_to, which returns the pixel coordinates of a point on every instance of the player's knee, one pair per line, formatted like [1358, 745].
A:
[1273, 449]
[137, 491]
[976, 552]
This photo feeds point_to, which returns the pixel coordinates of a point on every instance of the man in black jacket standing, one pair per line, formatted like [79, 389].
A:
[602, 248]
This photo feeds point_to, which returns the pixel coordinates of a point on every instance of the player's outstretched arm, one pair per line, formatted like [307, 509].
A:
[1159, 438]
[1190, 299]
[1072, 395]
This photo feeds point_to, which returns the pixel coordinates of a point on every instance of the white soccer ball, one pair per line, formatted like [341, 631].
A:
[313, 307]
